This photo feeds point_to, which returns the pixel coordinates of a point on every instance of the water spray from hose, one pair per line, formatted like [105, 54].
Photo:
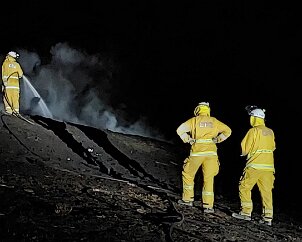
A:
[35, 100]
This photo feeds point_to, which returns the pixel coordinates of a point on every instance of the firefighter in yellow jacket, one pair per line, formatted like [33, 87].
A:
[202, 132]
[11, 73]
[258, 145]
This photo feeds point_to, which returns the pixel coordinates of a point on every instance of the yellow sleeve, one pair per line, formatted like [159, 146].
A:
[4, 70]
[224, 131]
[184, 131]
[247, 142]
[19, 70]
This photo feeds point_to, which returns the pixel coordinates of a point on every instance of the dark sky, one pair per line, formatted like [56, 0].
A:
[166, 58]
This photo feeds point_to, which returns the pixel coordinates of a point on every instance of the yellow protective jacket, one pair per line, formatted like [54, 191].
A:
[258, 145]
[200, 132]
[11, 72]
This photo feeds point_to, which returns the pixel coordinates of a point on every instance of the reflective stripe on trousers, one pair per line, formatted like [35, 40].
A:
[210, 168]
[204, 153]
[12, 87]
[264, 179]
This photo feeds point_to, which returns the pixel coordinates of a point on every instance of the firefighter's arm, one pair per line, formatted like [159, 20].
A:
[183, 132]
[20, 71]
[246, 143]
[224, 133]
[4, 74]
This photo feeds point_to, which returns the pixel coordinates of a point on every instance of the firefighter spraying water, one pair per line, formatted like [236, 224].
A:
[12, 73]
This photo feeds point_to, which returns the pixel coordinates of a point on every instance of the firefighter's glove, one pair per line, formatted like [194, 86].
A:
[219, 138]
[191, 141]
[215, 140]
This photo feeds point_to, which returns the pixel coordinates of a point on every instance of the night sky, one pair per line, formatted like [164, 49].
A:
[165, 58]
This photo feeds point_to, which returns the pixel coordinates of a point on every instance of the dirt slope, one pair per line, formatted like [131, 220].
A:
[68, 182]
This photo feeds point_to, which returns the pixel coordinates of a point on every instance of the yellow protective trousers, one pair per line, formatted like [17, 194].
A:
[265, 182]
[210, 168]
[11, 98]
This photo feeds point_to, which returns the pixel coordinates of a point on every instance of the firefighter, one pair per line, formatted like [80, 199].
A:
[202, 132]
[258, 146]
[11, 73]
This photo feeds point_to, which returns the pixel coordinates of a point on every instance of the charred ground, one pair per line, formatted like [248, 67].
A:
[68, 182]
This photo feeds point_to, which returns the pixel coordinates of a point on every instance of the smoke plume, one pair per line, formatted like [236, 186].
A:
[80, 88]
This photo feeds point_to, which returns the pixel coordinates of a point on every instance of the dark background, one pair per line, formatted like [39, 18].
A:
[172, 56]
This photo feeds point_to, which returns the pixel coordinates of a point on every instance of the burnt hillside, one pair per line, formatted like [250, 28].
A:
[68, 182]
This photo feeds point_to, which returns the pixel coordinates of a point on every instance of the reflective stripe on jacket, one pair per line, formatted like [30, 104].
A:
[11, 72]
[202, 129]
[259, 145]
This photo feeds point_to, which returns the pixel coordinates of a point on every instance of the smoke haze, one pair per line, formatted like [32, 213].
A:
[80, 88]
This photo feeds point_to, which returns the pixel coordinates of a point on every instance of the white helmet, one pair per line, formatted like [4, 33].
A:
[258, 113]
[13, 54]
[205, 106]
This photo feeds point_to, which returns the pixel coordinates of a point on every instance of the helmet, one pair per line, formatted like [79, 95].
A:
[258, 113]
[13, 54]
[202, 107]
[250, 108]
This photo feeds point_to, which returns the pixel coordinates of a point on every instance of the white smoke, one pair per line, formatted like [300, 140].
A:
[79, 88]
